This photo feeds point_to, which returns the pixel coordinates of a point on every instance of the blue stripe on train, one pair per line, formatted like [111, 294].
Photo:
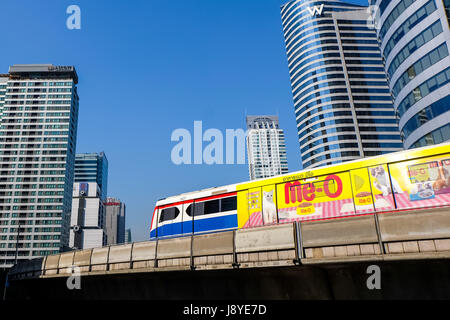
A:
[218, 223]
[200, 226]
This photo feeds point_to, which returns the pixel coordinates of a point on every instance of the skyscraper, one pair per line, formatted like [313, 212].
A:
[266, 147]
[37, 154]
[115, 221]
[128, 238]
[93, 167]
[342, 102]
[87, 222]
[415, 39]
[88, 219]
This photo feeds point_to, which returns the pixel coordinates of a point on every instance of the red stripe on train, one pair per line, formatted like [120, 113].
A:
[153, 217]
[223, 195]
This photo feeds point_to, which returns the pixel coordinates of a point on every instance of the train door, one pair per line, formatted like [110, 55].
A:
[380, 182]
[255, 207]
[177, 222]
[362, 191]
[269, 205]
[243, 204]
[199, 216]
[188, 218]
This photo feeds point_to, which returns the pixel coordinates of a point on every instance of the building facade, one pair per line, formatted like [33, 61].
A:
[343, 106]
[266, 147]
[128, 238]
[88, 220]
[93, 167]
[414, 39]
[3, 84]
[88, 217]
[115, 221]
[38, 133]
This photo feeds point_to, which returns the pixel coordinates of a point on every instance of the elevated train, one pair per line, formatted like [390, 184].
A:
[388, 183]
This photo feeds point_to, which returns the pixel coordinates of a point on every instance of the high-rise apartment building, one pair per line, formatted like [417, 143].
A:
[266, 147]
[343, 106]
[115, 221]
[415, 39]
[93, 167]
[38, 133]
[3, 84]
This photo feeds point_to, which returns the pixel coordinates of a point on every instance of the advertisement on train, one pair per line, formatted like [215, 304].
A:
[353, 189]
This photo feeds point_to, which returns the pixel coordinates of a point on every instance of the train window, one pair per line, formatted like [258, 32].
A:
[199, 208]
[228, 204]
[169, 214]
[212, 206]
[195, 210]
[189, 210]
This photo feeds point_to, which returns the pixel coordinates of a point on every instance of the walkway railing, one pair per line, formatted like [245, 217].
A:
[414, 234]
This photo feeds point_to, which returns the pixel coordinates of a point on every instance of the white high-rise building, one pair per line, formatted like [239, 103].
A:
[38, 132]
[88, 217]
[266, 147]
[3, 84]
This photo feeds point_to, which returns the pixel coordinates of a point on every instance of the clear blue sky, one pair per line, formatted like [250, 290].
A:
[149, 67]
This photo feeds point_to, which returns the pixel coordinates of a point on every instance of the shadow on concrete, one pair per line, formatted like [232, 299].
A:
[399, 280]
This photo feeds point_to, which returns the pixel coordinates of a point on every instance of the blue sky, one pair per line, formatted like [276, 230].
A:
[149, 67]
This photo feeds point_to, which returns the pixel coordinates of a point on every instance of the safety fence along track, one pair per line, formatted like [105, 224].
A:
[408, 235]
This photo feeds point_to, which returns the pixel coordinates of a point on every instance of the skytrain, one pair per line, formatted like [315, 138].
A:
[393, 182]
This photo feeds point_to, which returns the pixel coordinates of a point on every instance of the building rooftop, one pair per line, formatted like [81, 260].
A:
[43, 70]
[260, 122]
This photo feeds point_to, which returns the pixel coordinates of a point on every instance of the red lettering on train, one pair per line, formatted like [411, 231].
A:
[308, 192]
[338, 182]
[296, 192]
[293, 190]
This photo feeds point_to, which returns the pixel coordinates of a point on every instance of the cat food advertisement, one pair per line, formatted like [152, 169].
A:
[422, 183]
[325, 196]
[375, 188]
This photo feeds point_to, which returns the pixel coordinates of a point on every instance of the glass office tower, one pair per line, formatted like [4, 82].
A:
[415, 39]
[87, 229]
[342, 102]
[93, 167]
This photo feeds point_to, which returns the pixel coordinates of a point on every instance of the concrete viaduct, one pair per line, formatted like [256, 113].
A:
[327, 259]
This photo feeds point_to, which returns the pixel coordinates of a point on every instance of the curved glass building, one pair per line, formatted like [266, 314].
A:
[415, 39]
[343, 106]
